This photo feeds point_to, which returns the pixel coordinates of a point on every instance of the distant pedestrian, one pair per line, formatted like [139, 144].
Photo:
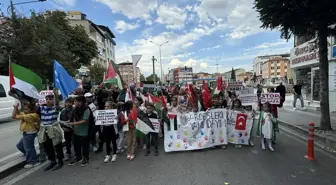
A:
[282, 90]
[297, 91]
[29, 127]
[152, 137]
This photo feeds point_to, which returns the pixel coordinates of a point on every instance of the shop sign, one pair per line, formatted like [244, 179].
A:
[304, 54]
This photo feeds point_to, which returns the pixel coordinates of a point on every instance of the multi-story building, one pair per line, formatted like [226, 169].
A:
[102, 35]
[128, 74]
[180, 74]
[238, 72]
[276, 68]
[259, 60]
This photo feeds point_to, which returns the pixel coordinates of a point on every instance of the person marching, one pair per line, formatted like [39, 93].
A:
[50, 133]
[64, 119]
[29, 127]
[265, 126]
[152, 135]
[110, 136]
[128, 120]
[81, 122]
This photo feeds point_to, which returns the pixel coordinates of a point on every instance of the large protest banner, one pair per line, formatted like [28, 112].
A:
[194, 131]
[106, 117]
[239, 127]
[272, 98]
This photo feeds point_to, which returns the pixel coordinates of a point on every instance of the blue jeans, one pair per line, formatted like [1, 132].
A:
[27, 147]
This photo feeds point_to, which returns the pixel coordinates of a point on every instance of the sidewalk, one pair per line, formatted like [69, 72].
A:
[298, 120]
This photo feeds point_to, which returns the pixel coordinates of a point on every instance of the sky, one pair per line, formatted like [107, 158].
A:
[201, 33]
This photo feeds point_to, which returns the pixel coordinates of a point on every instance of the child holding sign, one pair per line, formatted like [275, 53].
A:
[110, 135]
[154, 136]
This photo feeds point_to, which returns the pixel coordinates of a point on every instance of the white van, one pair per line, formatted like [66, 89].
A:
[6, 101]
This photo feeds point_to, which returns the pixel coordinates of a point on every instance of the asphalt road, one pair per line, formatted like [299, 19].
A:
[9, 136]
[246, 166]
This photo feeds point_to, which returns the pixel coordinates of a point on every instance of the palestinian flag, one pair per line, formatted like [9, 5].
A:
[157, 102]
[219, 86]
[112, 77]
[260, 123]
[24, 83]
[144, 124]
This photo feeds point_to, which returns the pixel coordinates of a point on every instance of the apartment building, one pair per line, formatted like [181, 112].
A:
[128, 74]
[277, 67]
[101, 34]
[180, 74]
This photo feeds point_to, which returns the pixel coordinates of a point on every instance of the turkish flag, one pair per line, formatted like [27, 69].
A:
[241, 122]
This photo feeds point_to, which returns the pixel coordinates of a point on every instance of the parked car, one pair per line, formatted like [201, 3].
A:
[6, 101]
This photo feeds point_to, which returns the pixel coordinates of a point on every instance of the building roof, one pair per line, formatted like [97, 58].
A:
[96, 28]
[125, 63]
[107, 29]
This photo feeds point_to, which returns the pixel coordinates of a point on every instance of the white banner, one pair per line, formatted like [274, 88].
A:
[248, 99]
[194, 131]
[239, 127]
[106, 117]
[272, 98]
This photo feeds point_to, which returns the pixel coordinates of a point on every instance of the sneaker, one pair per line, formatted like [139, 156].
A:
[75, 161]
[50, 166]
[271, 148]
[107, 158]
[144, 147]
[58, 166]
[67, 157]
[251, 143]
[294, 108]
[147, 153]
[132, 157]
[224, 146]
[303, 108]
[263, 147]
[37, 164]
[85, 162]
[156, 153]
[94, 149]
[27, 166]
[114, 158]
[128, 157]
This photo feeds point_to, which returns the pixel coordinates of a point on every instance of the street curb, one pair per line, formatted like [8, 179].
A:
[11, 167]
[325, 142]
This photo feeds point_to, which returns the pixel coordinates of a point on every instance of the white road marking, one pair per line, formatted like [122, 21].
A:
[25, 174]
[16, 154]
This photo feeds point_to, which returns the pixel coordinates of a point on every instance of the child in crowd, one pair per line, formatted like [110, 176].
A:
[121, 133]
[233, 97]
[129, 122]
[81, 121]
[265, 126]
[64, 119]
[140, 137]
[110, 135]
[52, 144]
[215, 103]
[173, 107]
[222, 100]
[237, 107]
[152, 135]
[29, 127]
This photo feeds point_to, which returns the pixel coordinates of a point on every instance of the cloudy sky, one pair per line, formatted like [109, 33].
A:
[199, 31]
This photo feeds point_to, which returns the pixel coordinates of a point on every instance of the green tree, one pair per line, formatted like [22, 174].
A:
[96, 72]
[142, 78]
[151, 78]
[304, 17]
[38, 40]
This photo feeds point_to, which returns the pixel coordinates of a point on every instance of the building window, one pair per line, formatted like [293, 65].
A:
[272, 67]
[272, 74]
[278, 73]
[278, 67]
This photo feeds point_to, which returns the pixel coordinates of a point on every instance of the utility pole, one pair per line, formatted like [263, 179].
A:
[154, 77]
[160, 45]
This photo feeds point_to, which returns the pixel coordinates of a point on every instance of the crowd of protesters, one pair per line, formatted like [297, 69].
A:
[73, 124]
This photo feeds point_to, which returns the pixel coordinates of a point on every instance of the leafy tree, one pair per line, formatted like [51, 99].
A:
[233, 74]
[151, 78]
[37, 41]
[96, 72]
[142, 78]
[304, 17]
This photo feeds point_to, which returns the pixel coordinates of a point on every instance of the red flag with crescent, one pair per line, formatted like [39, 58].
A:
[241, 120]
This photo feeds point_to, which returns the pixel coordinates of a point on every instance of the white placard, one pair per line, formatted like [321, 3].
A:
[272, 98]
[106, 117]
[248, 99]
[156, 124]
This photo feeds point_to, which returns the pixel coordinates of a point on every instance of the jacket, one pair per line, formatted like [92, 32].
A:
[55, 133]
[29, 122]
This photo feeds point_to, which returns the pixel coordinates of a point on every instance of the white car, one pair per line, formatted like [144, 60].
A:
[6, 101]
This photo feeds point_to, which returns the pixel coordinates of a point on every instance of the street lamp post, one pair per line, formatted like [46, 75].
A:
[217, 62]
[160, 56]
